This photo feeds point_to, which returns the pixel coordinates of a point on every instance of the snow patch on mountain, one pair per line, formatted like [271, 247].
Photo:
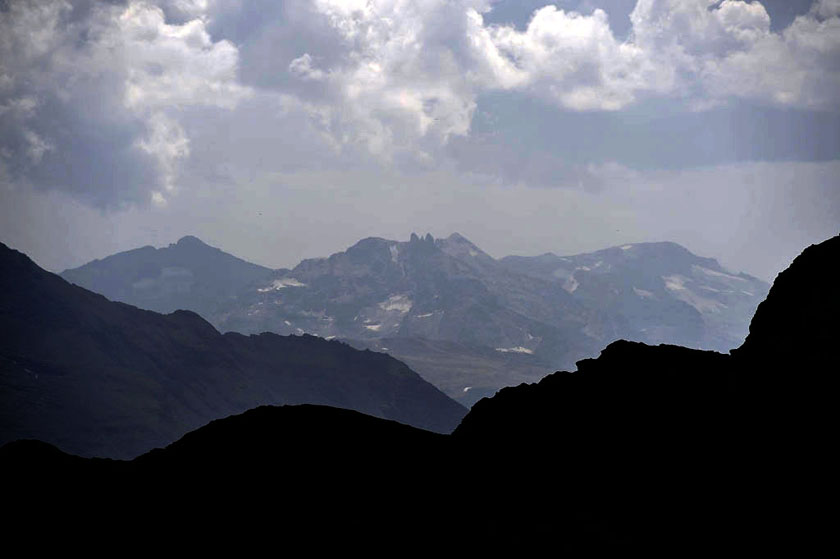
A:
[399, 303]
[281, 283]
[715, 273]
[517, 349]
[676, 284]
[571, 284]
[644, 294]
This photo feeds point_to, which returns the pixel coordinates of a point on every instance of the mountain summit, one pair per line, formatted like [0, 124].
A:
[188, 274]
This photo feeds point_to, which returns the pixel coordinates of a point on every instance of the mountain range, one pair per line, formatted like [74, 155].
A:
[468, 323]
[102, 378]
[657, 449]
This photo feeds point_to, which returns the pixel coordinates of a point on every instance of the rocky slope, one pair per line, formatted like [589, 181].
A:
[100, 378]
[655, 293]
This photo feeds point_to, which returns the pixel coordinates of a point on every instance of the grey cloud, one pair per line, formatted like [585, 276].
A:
[519, 12]
[91, 154]
[255, 87]
[89, 137]
[520, 140]
[270, 35]
[90, 93]
[410, 81]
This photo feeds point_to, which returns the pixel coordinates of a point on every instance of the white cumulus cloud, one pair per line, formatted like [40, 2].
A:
[102, 100]
[92, 93]
[410, 72]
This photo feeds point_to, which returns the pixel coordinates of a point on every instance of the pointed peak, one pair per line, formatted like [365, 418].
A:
[12, 259]
[460, 247]
[415, 238]
[366, 247]
[371, 242]
[189, 240]
[457, 239]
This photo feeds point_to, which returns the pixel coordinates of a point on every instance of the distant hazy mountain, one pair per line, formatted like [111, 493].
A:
[526, 315]
[96, 377]
[654, 293]
[441, 290]
[185, 275]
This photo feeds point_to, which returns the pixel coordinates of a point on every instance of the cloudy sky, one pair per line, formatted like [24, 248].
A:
[279, 130]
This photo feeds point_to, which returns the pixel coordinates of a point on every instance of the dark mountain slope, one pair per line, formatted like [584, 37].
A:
[315, 476]
[787, 367]
[654, 389]
[186, 275]
[699, 447]
[101, 378]
[799, 318]
[317, 430]
[656, 449]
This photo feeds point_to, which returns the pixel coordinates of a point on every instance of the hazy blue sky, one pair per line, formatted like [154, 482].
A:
[279, 130]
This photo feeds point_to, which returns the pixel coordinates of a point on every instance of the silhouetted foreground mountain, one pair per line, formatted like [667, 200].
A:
[451, 303]
[99, 378]
[701, 447]
[659, 449]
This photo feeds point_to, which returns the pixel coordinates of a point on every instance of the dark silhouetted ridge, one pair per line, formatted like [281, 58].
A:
[100, 378]
[798, 319]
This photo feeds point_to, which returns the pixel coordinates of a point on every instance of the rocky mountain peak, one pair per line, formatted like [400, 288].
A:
[190, 240]
[799, 315]
[458, 246]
